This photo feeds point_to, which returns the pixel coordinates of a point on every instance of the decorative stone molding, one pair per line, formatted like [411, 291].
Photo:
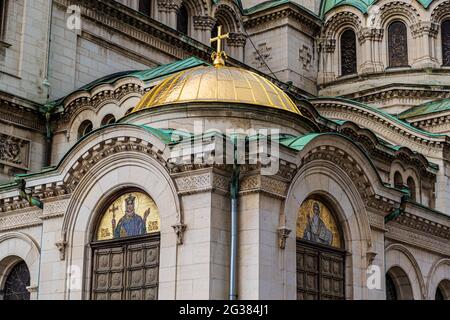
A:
[399, 8]
[236, 39]
[61, 245]
[15, 111]
[339, 20]
[262, 55]
[20, 220]
[179, 229]
[305, 57]
[265, 184]
[55, 209]
[419, 142]
[14, 151]
[327, 45]
[427, 226]
[283, 235]
[198, 183]
[425, 28]
[204, 22]
[370, 255]
[72, 108]
[309, 24]
[440, 12]
[405, 234]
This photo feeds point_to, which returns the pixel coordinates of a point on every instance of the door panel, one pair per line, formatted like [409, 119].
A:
[126, 270]
[320, 273]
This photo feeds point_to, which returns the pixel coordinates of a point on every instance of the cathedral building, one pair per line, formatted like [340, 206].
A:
[224, 149]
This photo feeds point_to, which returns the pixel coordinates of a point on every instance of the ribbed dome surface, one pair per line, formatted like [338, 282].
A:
[217, 85]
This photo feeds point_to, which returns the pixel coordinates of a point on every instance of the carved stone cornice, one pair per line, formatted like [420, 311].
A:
[311, 24]
[411, 138]
[402, 93]
[12, 111]
[424, 225]
[417, 238]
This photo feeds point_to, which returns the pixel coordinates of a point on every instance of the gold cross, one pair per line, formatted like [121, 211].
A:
[219, 55]
[114, 209]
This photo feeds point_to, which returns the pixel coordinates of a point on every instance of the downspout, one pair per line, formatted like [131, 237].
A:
[392, 216]
[234, 227]
[46, 83]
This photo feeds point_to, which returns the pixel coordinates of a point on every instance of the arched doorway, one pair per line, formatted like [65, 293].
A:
[16, 283]
[398, 286]
[126, 249]
[320, 253]
[443, 290]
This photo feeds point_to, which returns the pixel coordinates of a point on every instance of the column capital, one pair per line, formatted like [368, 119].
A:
[204, 22]
[236, 39]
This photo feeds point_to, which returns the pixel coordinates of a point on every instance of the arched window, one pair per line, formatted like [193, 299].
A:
[85, 127]
[398, 286]
[320, 254]
[391, 290]
[398, 180]
[17, 282]
[445, 43]
[183, 19]
[412, 188]
[348, 53]
[108, 119]
[126, 249]
[145, 7]
[397, 45]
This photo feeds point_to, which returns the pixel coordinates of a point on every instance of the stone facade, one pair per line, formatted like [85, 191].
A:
[54, 79]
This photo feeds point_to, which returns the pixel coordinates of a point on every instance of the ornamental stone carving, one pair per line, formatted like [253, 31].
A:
[14, 151]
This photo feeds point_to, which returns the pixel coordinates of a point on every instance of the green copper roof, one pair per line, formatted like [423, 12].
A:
[144, 75]
[427, 108]
[361, 5]
[384, 114]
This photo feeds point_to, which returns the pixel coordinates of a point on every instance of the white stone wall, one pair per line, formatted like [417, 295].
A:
[23, 62]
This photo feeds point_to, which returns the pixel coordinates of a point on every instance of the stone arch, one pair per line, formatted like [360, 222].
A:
[440, 12]
[402, 262]
[136, 168]
[401, 282]
[439, 272]
[398, 10]
[224, 13]
[16, 247]
[341, 20]
[331, 181]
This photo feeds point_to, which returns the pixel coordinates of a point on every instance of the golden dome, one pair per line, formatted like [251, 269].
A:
[217, 85]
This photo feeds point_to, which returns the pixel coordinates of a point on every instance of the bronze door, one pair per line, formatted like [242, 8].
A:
[320, 272]
[126, 269]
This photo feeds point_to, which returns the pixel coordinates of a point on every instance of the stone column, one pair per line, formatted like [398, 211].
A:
[202, 28]
[327, 47]
[423, 34]
[236, 44]
[370, 40]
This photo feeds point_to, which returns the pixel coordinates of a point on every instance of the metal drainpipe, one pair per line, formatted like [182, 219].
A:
[234, 232]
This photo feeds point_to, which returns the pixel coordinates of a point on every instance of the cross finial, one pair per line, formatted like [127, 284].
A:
[219, 55]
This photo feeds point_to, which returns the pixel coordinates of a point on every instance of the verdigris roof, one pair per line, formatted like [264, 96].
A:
[426, 108]
[144, 75]
[361, 5]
